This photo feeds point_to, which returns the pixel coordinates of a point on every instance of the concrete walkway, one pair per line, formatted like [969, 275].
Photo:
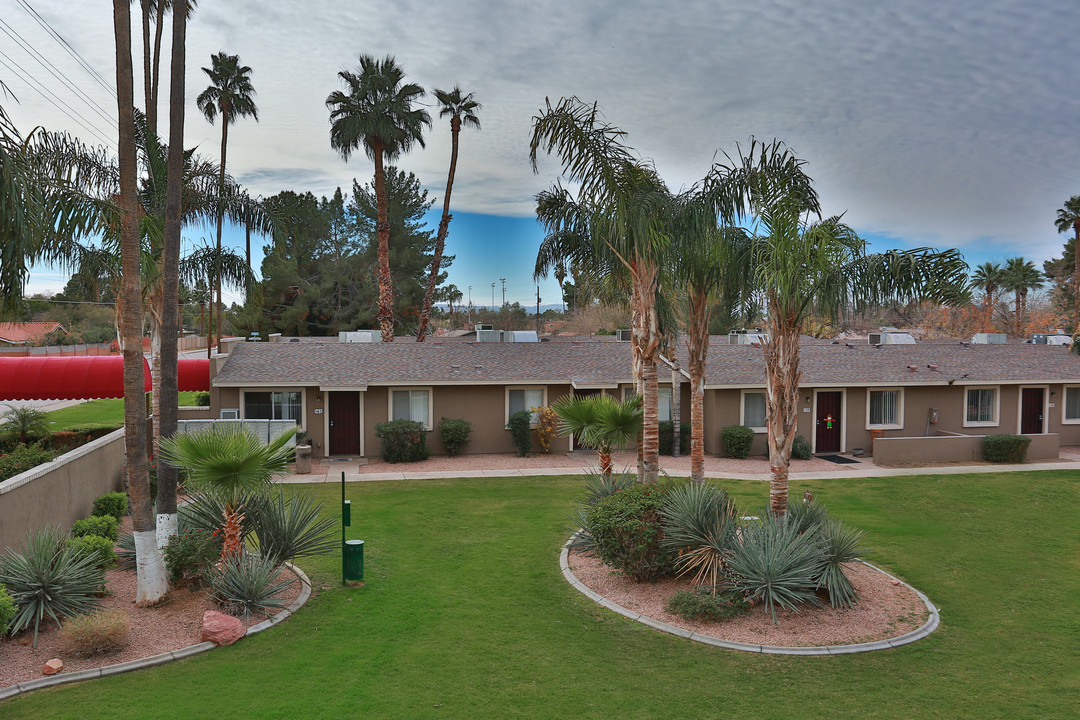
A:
[1069, 460]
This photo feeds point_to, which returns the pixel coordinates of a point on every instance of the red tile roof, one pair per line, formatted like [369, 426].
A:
[27, 332]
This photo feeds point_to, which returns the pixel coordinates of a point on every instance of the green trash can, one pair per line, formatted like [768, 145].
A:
[354, 559]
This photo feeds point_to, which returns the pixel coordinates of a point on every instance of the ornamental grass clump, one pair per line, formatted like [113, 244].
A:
[287, 528]
[248, 584]
[49, 579]
[701, 604]
[99, 633]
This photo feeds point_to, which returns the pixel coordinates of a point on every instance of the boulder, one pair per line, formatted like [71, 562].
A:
[221, 628]
[52, 667]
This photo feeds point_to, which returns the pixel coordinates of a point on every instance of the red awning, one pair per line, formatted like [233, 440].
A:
[66, 378]
[194, 374]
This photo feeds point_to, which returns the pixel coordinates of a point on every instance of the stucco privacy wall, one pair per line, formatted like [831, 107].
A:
[61, 491]
[949, 448]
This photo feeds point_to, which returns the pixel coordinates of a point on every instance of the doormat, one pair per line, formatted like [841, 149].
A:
[838, 459]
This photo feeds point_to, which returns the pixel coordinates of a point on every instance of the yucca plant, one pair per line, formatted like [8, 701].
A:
[805, 515]
[700, 524]
[842, 544]
[248, 583]
[776, 565]
[49, 578]
[290, 528]
[206, 511]
[228, 460]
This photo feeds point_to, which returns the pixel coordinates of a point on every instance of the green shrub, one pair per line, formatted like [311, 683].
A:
[22, 458]
[776, 565]
[800, 449]
[402, 441]
[49, 579]
[842, 544]
[62, 441]
[454, 433]
[521, 430]
[627, 533]
[248, 584]
[7, 609]
[112, 503]
[202, 398]
[190, 555]
[290, 528]
[101, 525]
[597, 486]
[666, 428]
[737, 440]
[97, 633]
[93, 431]
[1005, 448]
[700, 604]
[699, 524]
[100, 548]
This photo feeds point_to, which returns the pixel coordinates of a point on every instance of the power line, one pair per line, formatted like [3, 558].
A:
[54, 71]
[67, 46]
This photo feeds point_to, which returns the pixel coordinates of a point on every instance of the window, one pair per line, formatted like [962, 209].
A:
[1071, 405]
[663, 401]
[274, 405]
[753, 410]
[981, 406]
[885, 409]
[411, 404]
[524, 398]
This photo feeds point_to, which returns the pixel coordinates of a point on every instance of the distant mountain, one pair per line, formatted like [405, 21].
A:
[530, 309]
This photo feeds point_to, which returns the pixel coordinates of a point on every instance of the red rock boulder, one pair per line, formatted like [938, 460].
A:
[52, 667]
[221, 628]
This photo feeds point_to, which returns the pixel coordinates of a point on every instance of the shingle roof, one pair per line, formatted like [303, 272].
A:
[409, 362]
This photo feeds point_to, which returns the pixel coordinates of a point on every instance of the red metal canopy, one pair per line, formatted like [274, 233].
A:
[67, 378]
[193, 374]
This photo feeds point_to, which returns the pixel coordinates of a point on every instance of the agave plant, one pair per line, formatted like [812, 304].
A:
[49, 578]
[842, 544]
[700, 524]
[248, 583]
[290, 528]
[776, 565]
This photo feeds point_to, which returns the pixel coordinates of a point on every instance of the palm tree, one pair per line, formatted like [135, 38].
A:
[1068, 217]
[462, 110]
[620, 209]
[24, 423]
[229, 461]
[152, 582]
[805, 268]
[230, 93]
[987, 278]
[1019, 277]
[377, 113]
[601, 421]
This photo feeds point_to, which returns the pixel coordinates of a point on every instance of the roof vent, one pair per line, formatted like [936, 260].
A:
[294, 339]
[933, 368]
[913, 368]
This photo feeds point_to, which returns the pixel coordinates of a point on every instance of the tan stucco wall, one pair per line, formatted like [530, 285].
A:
[62, 491]
[951, 448]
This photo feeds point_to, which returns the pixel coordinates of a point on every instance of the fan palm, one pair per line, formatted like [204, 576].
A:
[230, 93]
[229, 460]
[24, 423]
[601, 421]
[462, 111]
[1019, 277]
[1068, 218]
[805, 267]
[377, 113]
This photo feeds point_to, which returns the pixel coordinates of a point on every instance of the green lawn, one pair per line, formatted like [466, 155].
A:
[465, 615]
[110, 411]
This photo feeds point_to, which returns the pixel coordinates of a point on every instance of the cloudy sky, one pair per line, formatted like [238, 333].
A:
[951, 124]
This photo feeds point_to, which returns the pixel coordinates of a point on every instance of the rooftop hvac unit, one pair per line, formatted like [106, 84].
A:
[520, 336]
[623, 335]
[489, 335]
[1047, 339]
[988, 338]
[483, 326]
[750, 338]
[892, 337]
[357, 336]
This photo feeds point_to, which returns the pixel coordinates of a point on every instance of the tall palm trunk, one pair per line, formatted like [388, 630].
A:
[221, 211]
[676, 405]
[386, 290]
[698, 349]
[440, 239]
[166, 385]
[150, 570]
[646, 330]
[782, 402]
[1076, 277]
[148, 93]
[159, 23]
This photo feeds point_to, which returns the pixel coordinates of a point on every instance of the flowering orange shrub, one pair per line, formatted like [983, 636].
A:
[546, 426]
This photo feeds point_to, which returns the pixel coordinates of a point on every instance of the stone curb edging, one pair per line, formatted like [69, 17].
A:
[928, 627]
[166, 657]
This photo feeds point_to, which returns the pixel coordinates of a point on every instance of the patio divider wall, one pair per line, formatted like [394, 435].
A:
[952, 448]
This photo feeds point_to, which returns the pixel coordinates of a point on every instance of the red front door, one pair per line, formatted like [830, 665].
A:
[828, 422]
[1031, 411]
[344, 423]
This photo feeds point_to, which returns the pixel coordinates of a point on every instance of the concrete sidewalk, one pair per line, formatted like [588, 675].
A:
[861, 469]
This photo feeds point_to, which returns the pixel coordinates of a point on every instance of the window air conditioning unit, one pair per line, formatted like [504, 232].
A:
[623, 335]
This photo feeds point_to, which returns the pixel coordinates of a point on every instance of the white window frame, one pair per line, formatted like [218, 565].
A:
[1064, 404]
[630, 391]
[303, 401]
[899, 424]
[997, 406]
[506, 397]
[742, 410]
[430, 405]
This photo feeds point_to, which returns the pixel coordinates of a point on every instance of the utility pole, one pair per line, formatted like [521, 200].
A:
[503, 281]
[492, 297]
[470, 308]
[538, 310]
